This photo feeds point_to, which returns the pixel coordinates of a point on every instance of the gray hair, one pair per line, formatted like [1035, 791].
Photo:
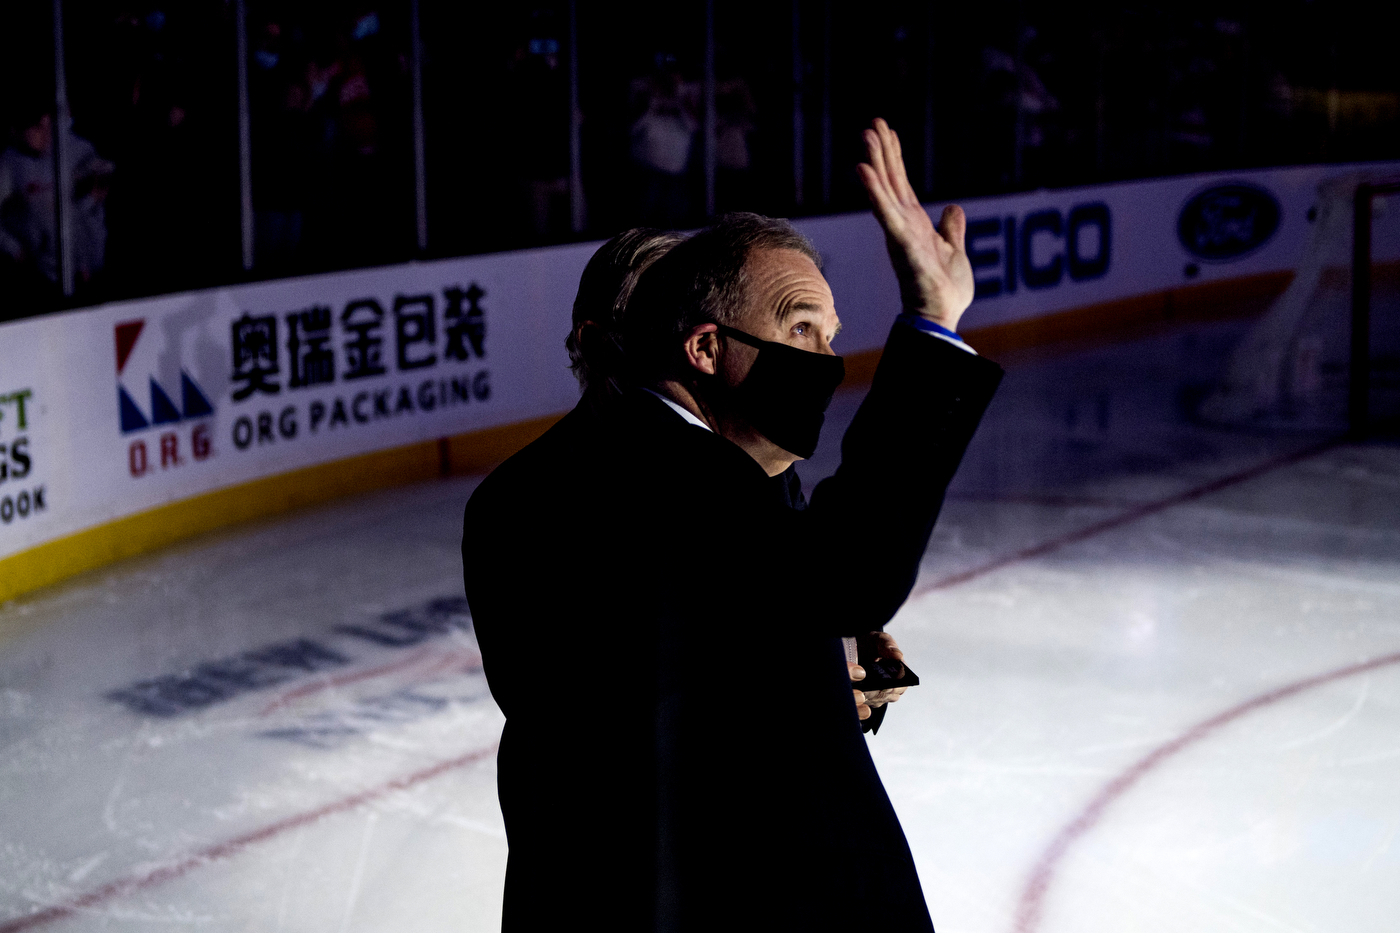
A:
[603, 294]
[700, 281]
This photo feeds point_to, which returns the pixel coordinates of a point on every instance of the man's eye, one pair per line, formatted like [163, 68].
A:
[800, 330]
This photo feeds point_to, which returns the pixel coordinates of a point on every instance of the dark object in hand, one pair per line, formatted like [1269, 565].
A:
[884, 674]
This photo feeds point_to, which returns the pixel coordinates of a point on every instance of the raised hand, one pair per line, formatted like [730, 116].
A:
[935, 277]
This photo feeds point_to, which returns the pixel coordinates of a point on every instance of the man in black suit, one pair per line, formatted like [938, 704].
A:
[662, 628]
[595, 356]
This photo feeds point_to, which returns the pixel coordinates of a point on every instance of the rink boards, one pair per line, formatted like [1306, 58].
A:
[130, 425]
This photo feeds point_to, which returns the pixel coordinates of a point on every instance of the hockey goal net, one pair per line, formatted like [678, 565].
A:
[1326, 357]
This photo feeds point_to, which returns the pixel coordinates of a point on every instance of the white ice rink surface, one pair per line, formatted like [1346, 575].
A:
[1161, 692]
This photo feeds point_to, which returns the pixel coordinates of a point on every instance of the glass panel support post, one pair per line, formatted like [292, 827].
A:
[826, 103]
[245, 150]
[420, 172]
[708, 93]
[799, 180]
[928, 102]
[62, 157]
[578, 217]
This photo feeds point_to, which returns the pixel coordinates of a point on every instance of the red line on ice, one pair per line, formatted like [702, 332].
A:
[231, 847]
[1125, 518]
[341, 680]
[468, 660]
[1050, 499]
[1031, 907]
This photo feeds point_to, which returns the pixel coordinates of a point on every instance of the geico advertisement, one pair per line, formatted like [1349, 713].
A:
[1043, 252]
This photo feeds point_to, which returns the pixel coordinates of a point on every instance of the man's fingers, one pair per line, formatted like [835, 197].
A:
[857, 672]
[881, 697]
[889, 154]
[881, 199]
[862, 711]
[883, 145]
[875, 152]
[889, 140]
[899, 175]
[888, 647]
[874, 173]
[953, 225]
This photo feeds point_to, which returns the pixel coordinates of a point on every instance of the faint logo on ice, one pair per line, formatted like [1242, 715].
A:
[333, 728]
[318, 703]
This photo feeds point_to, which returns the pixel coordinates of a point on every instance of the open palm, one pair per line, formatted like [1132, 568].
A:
[935, 277]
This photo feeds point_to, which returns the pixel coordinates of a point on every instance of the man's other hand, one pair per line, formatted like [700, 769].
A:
[935, 276]
[865, 702]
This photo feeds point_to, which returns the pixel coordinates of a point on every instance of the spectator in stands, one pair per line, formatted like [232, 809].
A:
[360, 210]
[150, 93]
[734, 121]
[282, 173]
[29, 232]
[662, 139]
[538, 95]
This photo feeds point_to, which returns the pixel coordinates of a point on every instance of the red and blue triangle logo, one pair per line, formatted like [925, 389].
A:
[132, 418]
[192, 398]
[194, 403]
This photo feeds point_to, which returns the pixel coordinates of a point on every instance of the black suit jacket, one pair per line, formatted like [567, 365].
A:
[638, 586]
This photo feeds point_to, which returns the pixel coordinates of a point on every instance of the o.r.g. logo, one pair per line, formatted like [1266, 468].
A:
[182, 424]
[1227, 221]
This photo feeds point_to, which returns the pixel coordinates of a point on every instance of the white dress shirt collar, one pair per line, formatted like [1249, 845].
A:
[681, 411]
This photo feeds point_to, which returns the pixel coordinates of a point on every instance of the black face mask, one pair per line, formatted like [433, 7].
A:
[786, 392]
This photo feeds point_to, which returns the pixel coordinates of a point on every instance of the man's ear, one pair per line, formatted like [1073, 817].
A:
[587, 336]
[701, 348]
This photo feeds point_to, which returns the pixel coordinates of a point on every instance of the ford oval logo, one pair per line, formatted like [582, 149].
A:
[1227, 221]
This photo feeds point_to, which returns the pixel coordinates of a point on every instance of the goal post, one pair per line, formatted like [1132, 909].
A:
[1365, 370]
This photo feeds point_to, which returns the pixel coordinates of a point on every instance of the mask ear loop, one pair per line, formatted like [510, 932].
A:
[742, 336]
[619, 359]
[605, 347]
